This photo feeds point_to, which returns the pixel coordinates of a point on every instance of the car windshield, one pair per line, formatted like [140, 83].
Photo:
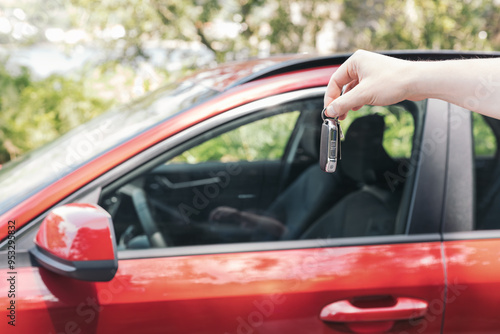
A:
[37, 169]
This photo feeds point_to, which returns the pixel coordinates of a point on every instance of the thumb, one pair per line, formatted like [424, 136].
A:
[353, 99]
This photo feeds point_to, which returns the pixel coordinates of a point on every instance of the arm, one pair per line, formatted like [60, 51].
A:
[381, 80]
[268, 224]
[249, 220]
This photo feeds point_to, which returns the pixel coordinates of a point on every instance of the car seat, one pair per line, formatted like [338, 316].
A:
[372, 209]
[488, 191]
[315, 192]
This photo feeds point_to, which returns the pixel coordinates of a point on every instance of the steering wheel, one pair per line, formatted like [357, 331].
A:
[140, 202]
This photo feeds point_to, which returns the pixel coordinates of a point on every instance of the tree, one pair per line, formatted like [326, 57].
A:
[423, 24]
[33, 112]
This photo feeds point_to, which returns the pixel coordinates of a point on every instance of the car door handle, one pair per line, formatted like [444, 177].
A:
[344, 311]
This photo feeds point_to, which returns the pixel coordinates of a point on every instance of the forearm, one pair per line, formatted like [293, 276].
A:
[472, 84]
[375, 79]
[268, 224]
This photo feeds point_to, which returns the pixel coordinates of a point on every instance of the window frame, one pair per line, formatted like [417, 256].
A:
[461, 166]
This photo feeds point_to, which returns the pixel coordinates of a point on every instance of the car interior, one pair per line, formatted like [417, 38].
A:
[487, 175]
[166, 204]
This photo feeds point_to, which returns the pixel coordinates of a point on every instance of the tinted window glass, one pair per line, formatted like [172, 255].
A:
[36, 170]
[264, 139]
[258, 179]
[485, 142]
[399, 128]
[487, 171]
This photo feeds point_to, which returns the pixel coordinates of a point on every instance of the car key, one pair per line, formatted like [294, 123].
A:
[330, 148]
[330, 151]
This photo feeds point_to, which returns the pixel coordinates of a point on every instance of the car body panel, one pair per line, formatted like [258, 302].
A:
[224, 76]
[73, 236]
[473, 294]
[255, 292]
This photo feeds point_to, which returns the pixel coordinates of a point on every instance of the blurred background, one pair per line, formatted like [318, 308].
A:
[63, 62]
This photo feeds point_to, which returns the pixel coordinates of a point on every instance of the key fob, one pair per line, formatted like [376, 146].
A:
[331, 134]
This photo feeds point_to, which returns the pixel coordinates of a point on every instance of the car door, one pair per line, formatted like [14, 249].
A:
[471, 227]
[367, 284]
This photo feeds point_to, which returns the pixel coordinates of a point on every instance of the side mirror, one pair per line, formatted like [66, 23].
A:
[77, 240]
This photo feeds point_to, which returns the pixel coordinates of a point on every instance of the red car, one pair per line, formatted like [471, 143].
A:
[201, 208]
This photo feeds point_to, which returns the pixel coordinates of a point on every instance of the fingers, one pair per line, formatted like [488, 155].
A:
[353, 99]
[224, 214]
[346, 75]
[370, 78]
[218, 213]
[343, 76]
[214, 215]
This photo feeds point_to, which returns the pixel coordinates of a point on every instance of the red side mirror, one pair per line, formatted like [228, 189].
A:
[77, 240]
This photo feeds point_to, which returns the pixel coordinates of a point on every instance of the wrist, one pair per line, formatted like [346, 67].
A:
[417, 84]
[433, 79]
[246, 219]
[241, 216]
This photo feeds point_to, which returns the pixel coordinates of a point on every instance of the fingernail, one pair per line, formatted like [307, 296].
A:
[330, 112]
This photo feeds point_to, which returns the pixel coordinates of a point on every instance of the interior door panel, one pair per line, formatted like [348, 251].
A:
[202, 187]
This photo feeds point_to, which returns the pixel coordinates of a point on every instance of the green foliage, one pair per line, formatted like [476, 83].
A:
[422, 24]
[485, 143]
[399, 128]
[288, 26]
[264, 139]
[35, 112]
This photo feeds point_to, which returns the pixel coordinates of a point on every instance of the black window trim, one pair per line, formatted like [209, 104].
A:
[426, 208]
[471, 235]
[276, 246]
[459, 197]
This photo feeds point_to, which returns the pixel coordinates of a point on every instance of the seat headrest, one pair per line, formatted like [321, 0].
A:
[364, 158]
[310, 140]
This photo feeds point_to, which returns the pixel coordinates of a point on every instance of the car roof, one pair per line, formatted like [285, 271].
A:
[229, 75]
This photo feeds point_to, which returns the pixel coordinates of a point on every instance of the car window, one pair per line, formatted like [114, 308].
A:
[487, 171]
[23, 177]
[257, 178]
[485, 142]
[399, 128]
[264, 139]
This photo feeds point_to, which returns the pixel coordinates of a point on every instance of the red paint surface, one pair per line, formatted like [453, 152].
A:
[77, 232]
[222, 76]
[258, 292]
[232, 98]
[473, 272]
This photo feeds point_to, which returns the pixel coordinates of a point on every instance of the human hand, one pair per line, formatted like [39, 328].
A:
[248, 220]
[225, 214]
[370, 78]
